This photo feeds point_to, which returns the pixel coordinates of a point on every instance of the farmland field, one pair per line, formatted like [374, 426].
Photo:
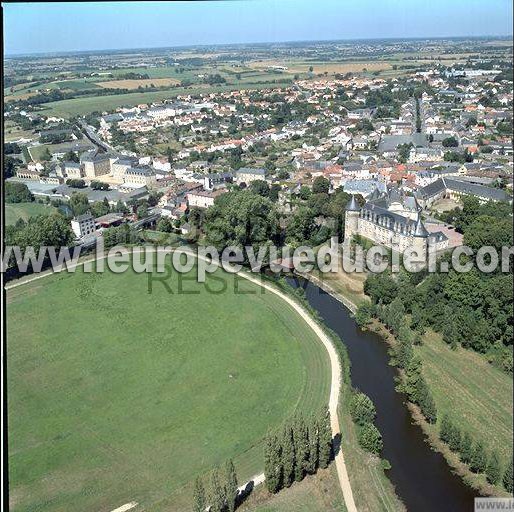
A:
[476, 395]
[16, 211]
[118, 395]
[134, 84]
[85, 105]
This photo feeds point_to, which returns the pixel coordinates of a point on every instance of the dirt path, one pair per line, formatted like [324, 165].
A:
[335, 385]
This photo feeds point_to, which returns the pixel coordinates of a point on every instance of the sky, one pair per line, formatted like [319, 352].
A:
[58, 27]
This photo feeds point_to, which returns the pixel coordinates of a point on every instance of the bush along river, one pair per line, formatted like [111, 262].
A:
[421, 476]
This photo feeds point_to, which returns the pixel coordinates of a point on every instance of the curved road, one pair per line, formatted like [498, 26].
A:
[335, 385]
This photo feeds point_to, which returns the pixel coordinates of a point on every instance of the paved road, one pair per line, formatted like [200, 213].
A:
[335, 385]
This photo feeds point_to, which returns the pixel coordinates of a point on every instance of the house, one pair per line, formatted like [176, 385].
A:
[83, 225]
[247, 175]
[217, 180]
[202, 198]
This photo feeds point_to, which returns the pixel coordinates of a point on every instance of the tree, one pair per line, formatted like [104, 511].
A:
[320, 185]
[445, 429]
[370, 438]
[71, 156]
[325, 438]
[493, 470]
[507, 477]
[301, 448]
[79, 203]
[362, 409]
[455, 438]
[241, 219]
[395, 315]
[272, 463]
[165, 225]
[231, 485]
[364, 314]
[17, 192]
[466, 448]
[450, 142]
[478, 459]
[199, 500]
[313, 445]
[403, 352]
[259, 187]
[217, 494]
[288, 455]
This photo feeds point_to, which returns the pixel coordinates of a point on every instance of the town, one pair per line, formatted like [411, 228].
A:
[296, 391]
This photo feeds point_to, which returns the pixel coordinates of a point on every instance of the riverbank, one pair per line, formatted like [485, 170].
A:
[447, 373]
[448, 386]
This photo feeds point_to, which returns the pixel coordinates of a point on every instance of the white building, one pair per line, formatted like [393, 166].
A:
[83, 225]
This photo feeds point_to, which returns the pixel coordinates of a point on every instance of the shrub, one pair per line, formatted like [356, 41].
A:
[362, 409]
[370, 438]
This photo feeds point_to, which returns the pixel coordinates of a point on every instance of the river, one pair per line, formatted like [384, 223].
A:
[422, 478]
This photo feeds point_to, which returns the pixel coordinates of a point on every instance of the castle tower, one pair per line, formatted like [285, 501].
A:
[351, 219]
[420, 239]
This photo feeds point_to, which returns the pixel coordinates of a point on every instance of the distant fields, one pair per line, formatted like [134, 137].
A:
[118, 395]
[476, 395]
[16, 211]
[134, 84]
[85, 105]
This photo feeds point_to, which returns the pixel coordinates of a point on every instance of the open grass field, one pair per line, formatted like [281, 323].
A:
[297, 66]
[16, 211]
[118, 395]
[476, 395]
[317, 493]
[85, 105]
[134, 84]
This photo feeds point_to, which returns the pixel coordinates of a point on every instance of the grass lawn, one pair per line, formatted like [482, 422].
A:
[15, 211]
[476, 395]
[316, 493]
[118, 395]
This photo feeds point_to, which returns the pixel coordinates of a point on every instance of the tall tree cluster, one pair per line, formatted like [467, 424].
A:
[298, 449]
[222, 493]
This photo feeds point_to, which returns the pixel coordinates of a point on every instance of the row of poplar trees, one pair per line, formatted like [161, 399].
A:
[299, 448]
[474, 455]
[222, 493]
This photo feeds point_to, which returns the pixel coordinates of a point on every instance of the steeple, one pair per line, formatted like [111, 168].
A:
[420, 230]
[352, 206]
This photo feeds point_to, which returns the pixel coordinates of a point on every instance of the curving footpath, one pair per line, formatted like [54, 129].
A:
[335, 385]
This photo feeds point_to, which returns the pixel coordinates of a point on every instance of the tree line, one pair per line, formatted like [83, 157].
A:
[299, 448]
[474, 455]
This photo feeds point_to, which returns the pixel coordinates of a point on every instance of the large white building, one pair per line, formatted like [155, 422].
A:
[83, 225]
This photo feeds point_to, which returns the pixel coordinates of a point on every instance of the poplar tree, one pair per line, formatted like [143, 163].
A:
[466, 448]
[445, 429]
[455, 439]
[217, 495]
[272, 463]
[508, 477]
[301, 448]
[478, 459]
[288, 455]
[199, 501]
[313, 445]
[325, 439]
[493, 470]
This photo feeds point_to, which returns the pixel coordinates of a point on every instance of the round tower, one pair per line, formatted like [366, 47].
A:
[351, 219]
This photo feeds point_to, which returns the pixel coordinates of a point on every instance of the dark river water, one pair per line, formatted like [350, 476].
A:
[423, 480]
